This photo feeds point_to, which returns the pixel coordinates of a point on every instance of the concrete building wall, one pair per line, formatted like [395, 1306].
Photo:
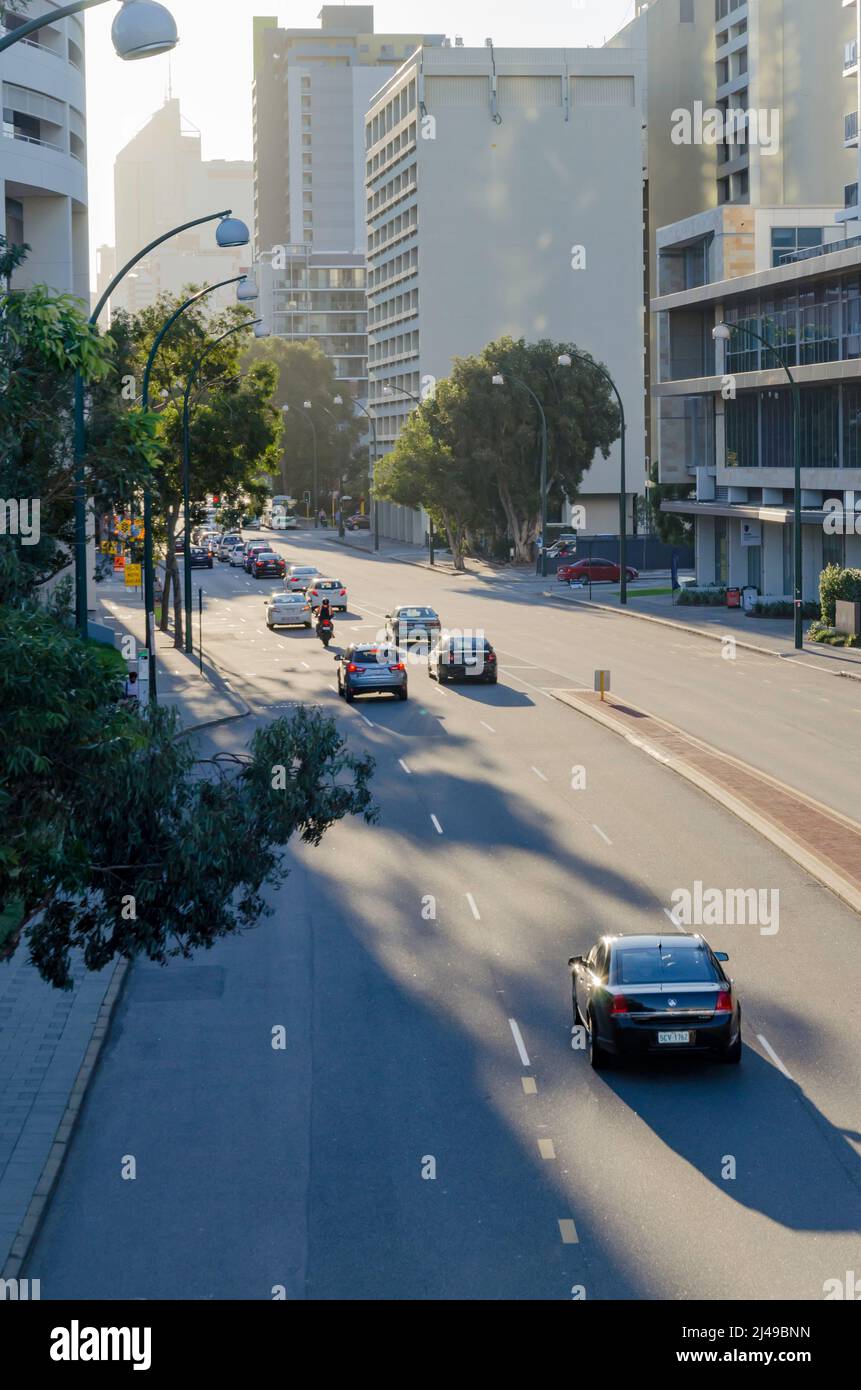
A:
[43, 175]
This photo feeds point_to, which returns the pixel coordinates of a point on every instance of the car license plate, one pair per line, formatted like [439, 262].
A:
[674, 1037]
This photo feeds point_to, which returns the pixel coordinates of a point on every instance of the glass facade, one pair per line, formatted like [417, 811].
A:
[820, 323]
[759, 428]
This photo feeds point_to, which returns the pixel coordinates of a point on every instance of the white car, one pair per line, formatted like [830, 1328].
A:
[332, 589]
[288, 610]
[237, 556]
[299, 577]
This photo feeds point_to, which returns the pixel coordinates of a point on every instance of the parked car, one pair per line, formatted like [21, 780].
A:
[300, 576]
[368, 670]
[266, 562]
[237, 557]
[358, 522]
[463, 658]
[288, 610]
[655, 995]
[412, 623]
[226, 544]
[332, 589]
[599, 570]
[200, 557]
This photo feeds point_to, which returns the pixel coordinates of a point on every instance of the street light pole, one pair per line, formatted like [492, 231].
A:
[306, 405]
[565, 361]
[149, 574]
[402, 390]
[80, 431]
[186, 473]
[499, 380]
[372, 462]
[722, 333]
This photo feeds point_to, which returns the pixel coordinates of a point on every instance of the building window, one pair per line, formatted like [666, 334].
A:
[686, 11]
[833, 550]
[14, 222]
[785, 240]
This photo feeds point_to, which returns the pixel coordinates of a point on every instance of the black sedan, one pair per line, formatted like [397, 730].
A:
[266, 562]
[655, 995]
[412, 624]
[463, 658]
[201, 557]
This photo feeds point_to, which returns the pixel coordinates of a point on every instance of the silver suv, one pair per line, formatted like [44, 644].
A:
[371, 670]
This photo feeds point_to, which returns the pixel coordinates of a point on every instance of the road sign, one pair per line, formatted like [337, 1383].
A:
[125, 525]
[119, 563]
[133, 576]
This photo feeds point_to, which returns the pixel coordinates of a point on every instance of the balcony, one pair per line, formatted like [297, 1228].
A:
[850, 195]
[850, 58]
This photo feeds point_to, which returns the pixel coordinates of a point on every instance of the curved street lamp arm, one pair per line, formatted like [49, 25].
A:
[752, 333]
[237, 328]
[139, 255]
[168, 325]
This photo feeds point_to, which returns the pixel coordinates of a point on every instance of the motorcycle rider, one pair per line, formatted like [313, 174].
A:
[325, 618]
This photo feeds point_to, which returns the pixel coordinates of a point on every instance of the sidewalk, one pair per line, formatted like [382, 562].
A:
[50, 1039]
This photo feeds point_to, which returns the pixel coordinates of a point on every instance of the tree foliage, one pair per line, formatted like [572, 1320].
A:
[483, 471]
[671, 527]
[117, 840]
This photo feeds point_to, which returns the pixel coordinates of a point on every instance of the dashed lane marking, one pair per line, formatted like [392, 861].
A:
[530, 1085]
[599, 831]
[539, 773]
[546, 1148]
[568, 1232]
[473, 906]
[406, 769]
[774, 1057]
[436, 825]
[519, 1043]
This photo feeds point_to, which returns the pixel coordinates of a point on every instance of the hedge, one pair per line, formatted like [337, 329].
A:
[836, 583]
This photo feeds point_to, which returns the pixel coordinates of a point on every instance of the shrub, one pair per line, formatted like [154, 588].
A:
[709, 598]
[782, 608]
[836, 583]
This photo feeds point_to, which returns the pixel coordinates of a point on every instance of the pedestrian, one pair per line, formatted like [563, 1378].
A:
[131, 689]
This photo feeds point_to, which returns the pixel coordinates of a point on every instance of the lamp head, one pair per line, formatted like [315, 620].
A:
[498, 379]
[247, 290]
[143, 29]
[285, 409]
[722, 333]
[387, 391]
[262, 330]
[232, 231]
[307, 405]
[338, 400]
[564, 359]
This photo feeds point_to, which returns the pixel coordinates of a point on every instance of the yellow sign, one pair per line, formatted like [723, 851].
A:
[133, 576]
[125, 525]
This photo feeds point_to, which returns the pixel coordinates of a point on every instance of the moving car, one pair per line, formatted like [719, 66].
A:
[599, 570]
[288, 610]
[200, 557]
[300, 576]
[252, 550]
[267, 562]
[655, 995]
[284, 521]
[228, 541]
[332, 589]
[412, 624]
[358, 522]
[237, 556]
[463, 658]
[370, 670]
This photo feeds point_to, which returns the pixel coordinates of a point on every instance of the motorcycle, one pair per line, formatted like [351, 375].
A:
[325, 630]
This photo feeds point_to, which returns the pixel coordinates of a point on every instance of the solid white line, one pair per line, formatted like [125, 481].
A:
[472, 903]
[518, 1042]
[407, 770]
[600, 832]
[539, 773]
[436, 825]
[773, 1055]
[335, 688]
[487, 726]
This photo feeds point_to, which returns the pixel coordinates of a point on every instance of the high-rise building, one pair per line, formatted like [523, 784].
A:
[43, 175]
[505, 196]
[849, 59]
[161, 181]
[312, 88]
[730, 118]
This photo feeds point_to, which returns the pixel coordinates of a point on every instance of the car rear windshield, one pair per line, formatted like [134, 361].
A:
[417, 613]
[298, 569]
[290, 600]
[371, 654]
[266, 555]
[328, 584]
[662, 965]
[468, 644]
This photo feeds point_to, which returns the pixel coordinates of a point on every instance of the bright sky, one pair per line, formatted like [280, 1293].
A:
[211, 68]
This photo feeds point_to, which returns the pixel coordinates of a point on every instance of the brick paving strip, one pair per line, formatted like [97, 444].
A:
[825, 843]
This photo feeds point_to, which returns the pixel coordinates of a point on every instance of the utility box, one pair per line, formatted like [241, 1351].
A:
[847, 617]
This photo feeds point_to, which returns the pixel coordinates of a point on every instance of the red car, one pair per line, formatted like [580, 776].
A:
[596, 569]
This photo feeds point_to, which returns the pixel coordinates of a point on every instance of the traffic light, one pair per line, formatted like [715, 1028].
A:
[216, 498]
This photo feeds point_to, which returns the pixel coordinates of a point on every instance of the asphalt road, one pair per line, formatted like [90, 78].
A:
[419, 969]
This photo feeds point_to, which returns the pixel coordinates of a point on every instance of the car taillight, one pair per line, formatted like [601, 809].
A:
[398, 666]
[343, 593]
[490, 656]
[353, 667]
[723, 1003]
[619, 1005]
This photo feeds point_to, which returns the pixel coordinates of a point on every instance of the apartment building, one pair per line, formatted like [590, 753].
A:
[733, 116]
[504, 195]
[161, 181]
[312, 88]
[725, 410]
[43, 176]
